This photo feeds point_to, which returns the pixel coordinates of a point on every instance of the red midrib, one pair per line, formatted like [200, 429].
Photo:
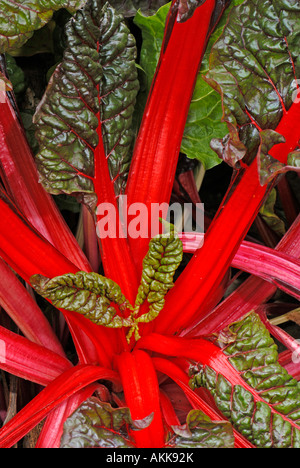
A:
[141, 391]
[158, 144]
[207, 354]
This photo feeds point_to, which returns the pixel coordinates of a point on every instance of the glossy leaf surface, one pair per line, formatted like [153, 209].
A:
[270, 415]
[255, 66]
[200, 432]
[18, 20]
[270, 216]
[159, 266]
[89, 294]
[97, 424]
[130, 7]
[88, 105]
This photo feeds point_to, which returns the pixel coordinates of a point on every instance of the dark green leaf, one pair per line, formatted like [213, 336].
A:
[18, 20]
[91, 92]
[89, 294]
[268, 166]
[254, 66]
[204, 121]
[130, 7]
[41, 42]
[16, 74]
[97, 424]
[200, 432]
[269, 416]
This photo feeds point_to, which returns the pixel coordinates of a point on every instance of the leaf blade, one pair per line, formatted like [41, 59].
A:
[130, 7]
[254, 66]
[269, 416]
[200, 432]
[97, 424]
[89, 294]
[18, 21]
[159, 266]
[88, 103]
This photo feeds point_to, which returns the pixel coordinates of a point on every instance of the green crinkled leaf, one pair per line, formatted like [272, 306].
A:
[159, 266]
[94, 295]
[41, 42]
[269, 166]
[129, 8]
[19, 20]
[269, 416]
[16, 74]
[93, 88]
[254, 66]
[149, 7]
[203, 122]
[96, 424]
[200, 432]
[89, 294]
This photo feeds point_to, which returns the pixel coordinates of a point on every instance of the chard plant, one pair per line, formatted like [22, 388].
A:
[164, 354]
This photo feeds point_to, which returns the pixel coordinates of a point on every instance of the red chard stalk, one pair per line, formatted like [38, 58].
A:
[251, 136]
[160, 358]
[20, 176]
[157, 147]
[84, 132]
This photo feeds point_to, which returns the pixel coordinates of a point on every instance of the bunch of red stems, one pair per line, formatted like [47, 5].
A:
[35, 239]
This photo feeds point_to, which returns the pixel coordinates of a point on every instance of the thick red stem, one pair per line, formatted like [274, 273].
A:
[28, 360]
[253, 292]
[53, 427]
[181, 378]
[115, 254]
[24, 311]
[64, 386]
[116, 257]
[17, 240]
[141, 390]
[276, 267]
[158, 143]
[21, 179]
[26, 251]
[289, 127]
[204, 352]
[196, 286]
